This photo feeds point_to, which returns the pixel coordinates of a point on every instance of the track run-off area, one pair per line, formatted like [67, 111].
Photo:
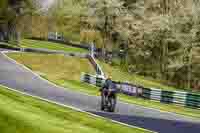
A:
[20, 78]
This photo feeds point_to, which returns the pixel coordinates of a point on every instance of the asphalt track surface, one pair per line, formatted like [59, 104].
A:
[19, 78]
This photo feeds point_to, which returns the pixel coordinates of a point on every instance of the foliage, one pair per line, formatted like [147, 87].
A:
[10, 12]
[66, 18]
[158, 38]
[162, 36]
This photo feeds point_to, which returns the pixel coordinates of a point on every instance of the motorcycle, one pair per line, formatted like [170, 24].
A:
[108, 99]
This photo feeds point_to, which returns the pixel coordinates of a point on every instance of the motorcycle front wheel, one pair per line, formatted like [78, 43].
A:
[112, 103]
[103, 102]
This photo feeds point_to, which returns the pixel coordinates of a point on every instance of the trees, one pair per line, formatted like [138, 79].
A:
[171, 38]
[159, 36]
[102, 16]
[10, 11]
[66, 18]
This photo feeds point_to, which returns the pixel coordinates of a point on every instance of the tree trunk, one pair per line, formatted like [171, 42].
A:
[12, 32]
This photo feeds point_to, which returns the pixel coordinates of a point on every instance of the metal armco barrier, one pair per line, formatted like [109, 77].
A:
[125, 88]
[94, 80]
[177, 97]
[129, 89]
[9, 47]
[46, 51]
[96, 66]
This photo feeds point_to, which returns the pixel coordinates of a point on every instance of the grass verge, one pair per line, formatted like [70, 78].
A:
[55, 67]
[5, 44]
[67, 80]
[27, 43]
[119, 75]
[92, 90]
[24, 114]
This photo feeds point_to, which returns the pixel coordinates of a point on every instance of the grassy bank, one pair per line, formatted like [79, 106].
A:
[38, 63]
[3, 44]
[23, 114]
[27, 43]
[118, 75]
[55, 67]
[92, 90]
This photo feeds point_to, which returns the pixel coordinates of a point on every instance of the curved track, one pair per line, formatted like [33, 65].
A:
[18, 77]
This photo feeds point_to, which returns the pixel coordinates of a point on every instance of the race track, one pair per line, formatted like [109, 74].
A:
[17, 77]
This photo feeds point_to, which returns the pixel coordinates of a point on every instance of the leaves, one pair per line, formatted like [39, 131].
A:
[159, 33]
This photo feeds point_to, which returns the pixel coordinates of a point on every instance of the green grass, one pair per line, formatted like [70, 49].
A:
[27, 43]
[8, 44]
[55, 67]
[60, 72]
[3, 43]
[24, 114]
[92, 90]
[119, 75]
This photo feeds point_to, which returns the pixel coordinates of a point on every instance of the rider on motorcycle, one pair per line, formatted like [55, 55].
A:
[108, 91]
[108, 83]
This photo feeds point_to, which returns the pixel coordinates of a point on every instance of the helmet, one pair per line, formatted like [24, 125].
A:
[109, 77]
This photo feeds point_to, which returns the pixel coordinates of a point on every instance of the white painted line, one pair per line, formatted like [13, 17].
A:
[37, 75]
[74, 108]
[157, 99]
[149, 108]
[4, 52]
[50, 101]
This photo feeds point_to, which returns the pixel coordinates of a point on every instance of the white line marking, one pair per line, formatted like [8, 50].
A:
[60, 104]
[149, 108]
[74, 108]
